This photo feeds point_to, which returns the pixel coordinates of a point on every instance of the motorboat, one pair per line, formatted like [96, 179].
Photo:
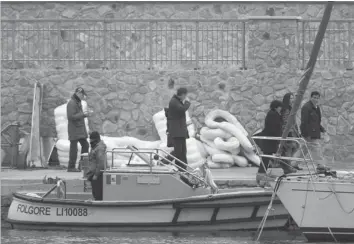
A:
[155, 196]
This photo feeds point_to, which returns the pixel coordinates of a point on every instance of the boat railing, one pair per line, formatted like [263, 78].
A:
[60, 186]
[302, 147]
[155, 154]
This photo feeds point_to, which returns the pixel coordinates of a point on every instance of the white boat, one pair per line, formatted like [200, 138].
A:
[148, 198]
[321, 206]
[320, 201]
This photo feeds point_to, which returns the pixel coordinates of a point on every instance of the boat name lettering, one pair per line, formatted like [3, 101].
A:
[72, 212]
[33, 210]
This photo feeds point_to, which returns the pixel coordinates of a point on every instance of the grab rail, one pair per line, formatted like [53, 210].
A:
[299, 140]
[154, 152]
[57, 186]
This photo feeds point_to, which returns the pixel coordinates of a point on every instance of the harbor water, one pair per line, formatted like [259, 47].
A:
[237, 237]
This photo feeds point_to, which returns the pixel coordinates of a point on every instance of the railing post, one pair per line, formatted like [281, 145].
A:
[13, 43]
[303, 45]
[244, 45]
[297, 44]
[15, 141]
[59, 35]
[350, 67]
[104, 44]
[197, 45]
[150, 45]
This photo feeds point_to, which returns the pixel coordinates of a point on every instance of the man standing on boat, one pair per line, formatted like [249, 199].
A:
[76, 127]
[97, 160]
[177, 128]
[311, 127]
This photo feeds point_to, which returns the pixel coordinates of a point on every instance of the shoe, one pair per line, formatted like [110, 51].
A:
[73, 170]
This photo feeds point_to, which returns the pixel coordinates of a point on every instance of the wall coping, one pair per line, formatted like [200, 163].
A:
[297, 18]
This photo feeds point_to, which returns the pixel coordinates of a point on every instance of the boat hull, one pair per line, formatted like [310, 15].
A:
[322, 209]
[221, 212]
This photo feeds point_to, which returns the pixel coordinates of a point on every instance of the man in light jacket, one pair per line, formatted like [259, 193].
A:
[76, 127]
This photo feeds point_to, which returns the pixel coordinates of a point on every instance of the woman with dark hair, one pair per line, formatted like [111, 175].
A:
[273, 128]
[290, 147]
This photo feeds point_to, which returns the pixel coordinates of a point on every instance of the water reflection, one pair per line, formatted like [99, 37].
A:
[46, 237]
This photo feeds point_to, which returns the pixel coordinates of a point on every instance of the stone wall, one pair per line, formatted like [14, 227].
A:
[124, 100]
[161, 10]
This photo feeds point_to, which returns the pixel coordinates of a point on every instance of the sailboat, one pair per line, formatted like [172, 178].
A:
[321, 201]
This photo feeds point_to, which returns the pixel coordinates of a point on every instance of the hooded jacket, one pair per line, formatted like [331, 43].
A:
[97, 158]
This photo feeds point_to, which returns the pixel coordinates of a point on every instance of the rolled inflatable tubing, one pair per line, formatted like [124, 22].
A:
[211, 123]
[213, 165]
[240, 161]
[232, 129]
[211, 134]
[223, 158]
[253, 157]
[231, 145]
[210, 147]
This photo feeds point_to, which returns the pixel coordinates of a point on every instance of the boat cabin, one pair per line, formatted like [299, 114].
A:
[152, 180]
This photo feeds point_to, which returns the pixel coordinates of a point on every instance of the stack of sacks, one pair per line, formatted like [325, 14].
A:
[226, 143]
[61, 125]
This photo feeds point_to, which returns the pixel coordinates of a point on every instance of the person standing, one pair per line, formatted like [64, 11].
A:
[272, 128]
[290, 147]
[177, 125]
[97, 161]
[76, 127]
[310, 126]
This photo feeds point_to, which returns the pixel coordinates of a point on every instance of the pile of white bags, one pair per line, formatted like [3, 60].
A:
[61, 126]
[119, 159]
[222, 145]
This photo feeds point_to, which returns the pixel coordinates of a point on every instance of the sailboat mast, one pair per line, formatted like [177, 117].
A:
[308, 72]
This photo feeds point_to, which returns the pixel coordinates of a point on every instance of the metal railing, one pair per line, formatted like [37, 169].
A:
[115, 44]
[337, 47]
[159, 43]
[10, 141]
[150, 154]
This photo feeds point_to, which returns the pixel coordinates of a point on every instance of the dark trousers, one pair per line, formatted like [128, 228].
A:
[180, 150]
[73, 151]
[97, 188]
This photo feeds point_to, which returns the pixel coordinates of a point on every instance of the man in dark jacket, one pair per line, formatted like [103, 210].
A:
[97, 160]
[177, 124]
[76, 127]
[310, 126]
